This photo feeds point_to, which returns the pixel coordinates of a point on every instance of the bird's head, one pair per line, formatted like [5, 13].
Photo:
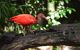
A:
[41, 19]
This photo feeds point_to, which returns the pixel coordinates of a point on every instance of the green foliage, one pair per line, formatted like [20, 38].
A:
[9, 9]
[60, 13]
[60, 10]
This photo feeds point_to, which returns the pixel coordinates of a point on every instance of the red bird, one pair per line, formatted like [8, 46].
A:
[25, 20]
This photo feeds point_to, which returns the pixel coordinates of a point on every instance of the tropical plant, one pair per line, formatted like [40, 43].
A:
[9, 8]
[57, 10]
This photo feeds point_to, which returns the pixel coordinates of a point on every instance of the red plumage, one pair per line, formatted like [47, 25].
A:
[24, 19]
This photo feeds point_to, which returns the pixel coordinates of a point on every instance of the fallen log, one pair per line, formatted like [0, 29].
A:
[60, 35]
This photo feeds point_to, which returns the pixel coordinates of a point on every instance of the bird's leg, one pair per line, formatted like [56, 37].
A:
[26, 29]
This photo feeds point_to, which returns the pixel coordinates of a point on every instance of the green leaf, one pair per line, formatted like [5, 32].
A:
[67, 1]
[69, 10]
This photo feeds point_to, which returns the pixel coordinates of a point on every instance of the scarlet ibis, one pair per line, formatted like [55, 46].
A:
[25, 20]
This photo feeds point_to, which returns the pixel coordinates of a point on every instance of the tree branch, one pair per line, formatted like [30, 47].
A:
[58, 35]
